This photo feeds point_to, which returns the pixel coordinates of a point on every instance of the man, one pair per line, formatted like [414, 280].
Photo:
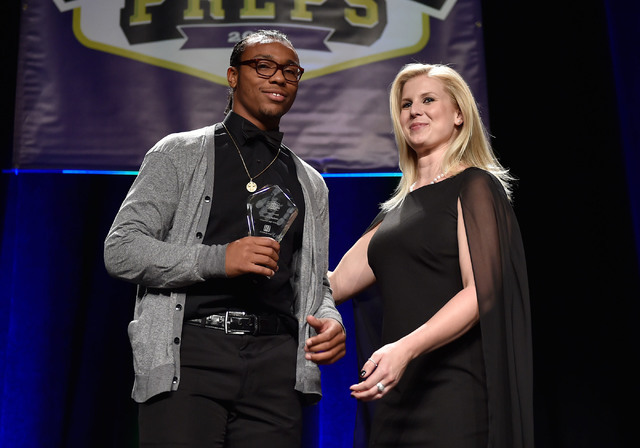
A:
[228, 329]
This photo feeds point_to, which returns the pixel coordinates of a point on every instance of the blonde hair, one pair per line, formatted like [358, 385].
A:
[470, 148]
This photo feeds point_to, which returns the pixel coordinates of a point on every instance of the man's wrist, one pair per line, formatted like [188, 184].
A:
[211, 261]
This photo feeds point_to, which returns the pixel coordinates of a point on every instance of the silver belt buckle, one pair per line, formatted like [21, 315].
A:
[228, 315]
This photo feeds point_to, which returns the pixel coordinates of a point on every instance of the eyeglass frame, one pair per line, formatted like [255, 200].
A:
[280, 67]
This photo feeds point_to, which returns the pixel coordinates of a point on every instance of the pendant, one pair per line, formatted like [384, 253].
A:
[251, 186]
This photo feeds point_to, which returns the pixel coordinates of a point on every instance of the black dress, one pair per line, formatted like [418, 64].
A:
[477, 390]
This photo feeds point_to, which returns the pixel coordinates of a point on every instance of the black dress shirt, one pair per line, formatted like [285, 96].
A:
[228, 222]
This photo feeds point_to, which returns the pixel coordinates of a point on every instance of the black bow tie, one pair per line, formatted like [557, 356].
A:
[273, 138]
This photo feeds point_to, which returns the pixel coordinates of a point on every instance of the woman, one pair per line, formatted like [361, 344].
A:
[446, 253]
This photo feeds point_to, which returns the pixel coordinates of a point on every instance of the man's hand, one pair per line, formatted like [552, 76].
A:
[252, 255]
[329, 344]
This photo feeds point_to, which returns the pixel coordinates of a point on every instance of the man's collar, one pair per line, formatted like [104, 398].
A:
[240, 126]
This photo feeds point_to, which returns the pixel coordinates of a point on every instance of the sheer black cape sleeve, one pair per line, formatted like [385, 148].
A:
[500, 274]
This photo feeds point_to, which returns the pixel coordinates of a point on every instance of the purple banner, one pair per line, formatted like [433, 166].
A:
[99, 82]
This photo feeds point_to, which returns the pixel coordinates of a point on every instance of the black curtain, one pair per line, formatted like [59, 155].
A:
[556, 122]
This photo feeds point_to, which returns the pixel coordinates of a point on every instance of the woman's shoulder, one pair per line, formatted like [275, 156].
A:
[473, 173]
[476, 183]
[477, 178]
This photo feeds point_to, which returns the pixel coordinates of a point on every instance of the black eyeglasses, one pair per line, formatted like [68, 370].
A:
[266, 68]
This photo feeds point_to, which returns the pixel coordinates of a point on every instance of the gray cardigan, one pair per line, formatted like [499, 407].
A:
[155, 242]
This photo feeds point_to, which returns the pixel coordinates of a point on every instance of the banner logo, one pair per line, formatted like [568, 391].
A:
[196, 36]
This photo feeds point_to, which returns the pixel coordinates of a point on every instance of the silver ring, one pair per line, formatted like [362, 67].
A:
[374, 363]
[380, 387]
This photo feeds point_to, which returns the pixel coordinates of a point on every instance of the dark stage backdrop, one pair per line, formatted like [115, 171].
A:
[563, 100]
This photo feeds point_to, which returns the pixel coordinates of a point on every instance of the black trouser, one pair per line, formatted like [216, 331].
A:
[236, 391]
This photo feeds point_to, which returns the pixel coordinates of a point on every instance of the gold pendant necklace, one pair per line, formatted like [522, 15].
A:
[251, 185]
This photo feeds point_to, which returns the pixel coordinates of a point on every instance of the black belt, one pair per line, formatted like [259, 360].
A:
[239, 322]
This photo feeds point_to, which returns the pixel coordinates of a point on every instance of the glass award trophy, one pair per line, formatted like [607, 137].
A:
[270, 212]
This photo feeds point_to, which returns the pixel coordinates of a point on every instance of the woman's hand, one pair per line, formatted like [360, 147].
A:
[381, 372]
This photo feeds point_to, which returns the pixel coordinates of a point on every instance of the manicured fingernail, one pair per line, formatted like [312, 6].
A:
[363, 373]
